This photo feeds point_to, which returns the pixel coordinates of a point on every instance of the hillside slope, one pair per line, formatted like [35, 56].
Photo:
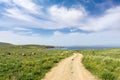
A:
[5, 44]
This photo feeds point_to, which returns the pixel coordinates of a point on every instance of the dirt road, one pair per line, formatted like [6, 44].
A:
[70, 68]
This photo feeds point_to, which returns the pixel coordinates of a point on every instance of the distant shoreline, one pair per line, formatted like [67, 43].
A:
[81, 48]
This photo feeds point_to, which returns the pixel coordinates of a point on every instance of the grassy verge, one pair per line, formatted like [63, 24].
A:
[28, 64]
[105, 64]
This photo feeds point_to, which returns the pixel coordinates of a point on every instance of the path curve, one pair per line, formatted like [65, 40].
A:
[70, 68]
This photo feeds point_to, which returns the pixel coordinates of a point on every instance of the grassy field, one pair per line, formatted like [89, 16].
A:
[105, 64]
[28, 63]
[32, 62]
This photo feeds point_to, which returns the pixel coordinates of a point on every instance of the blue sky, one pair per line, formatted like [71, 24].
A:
[60, 22]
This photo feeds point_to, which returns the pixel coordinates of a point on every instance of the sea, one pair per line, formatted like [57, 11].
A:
[83, 47]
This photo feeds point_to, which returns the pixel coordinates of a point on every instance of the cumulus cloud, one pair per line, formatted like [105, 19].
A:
[66, 16]
[80, 18]
[110, 20]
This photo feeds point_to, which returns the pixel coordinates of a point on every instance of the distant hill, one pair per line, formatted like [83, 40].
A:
[29, 46]
[35, 46]
[5, 44]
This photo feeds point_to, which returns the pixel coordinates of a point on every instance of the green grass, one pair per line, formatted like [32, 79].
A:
[105, 64]
[32, 62]
[28, 63]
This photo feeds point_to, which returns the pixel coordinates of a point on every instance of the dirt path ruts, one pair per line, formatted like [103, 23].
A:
[70, 68]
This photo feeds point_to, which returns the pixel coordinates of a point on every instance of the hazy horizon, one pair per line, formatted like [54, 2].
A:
[60, 22]
[97, 45]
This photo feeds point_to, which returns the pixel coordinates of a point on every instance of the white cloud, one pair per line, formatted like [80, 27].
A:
[21, 28]
[5, 1]
[63, 39]
[110, 20]
[76, 38]
[80, 19]
[16, 13]
[67, 16]
[73, 29]
[22, 9]
[28, 5]
[11, 37]
[58, 18]
[57, 33]
[25, 33]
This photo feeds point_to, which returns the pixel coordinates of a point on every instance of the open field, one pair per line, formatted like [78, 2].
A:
[28, 63]
[33, 62]
[105, 64]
